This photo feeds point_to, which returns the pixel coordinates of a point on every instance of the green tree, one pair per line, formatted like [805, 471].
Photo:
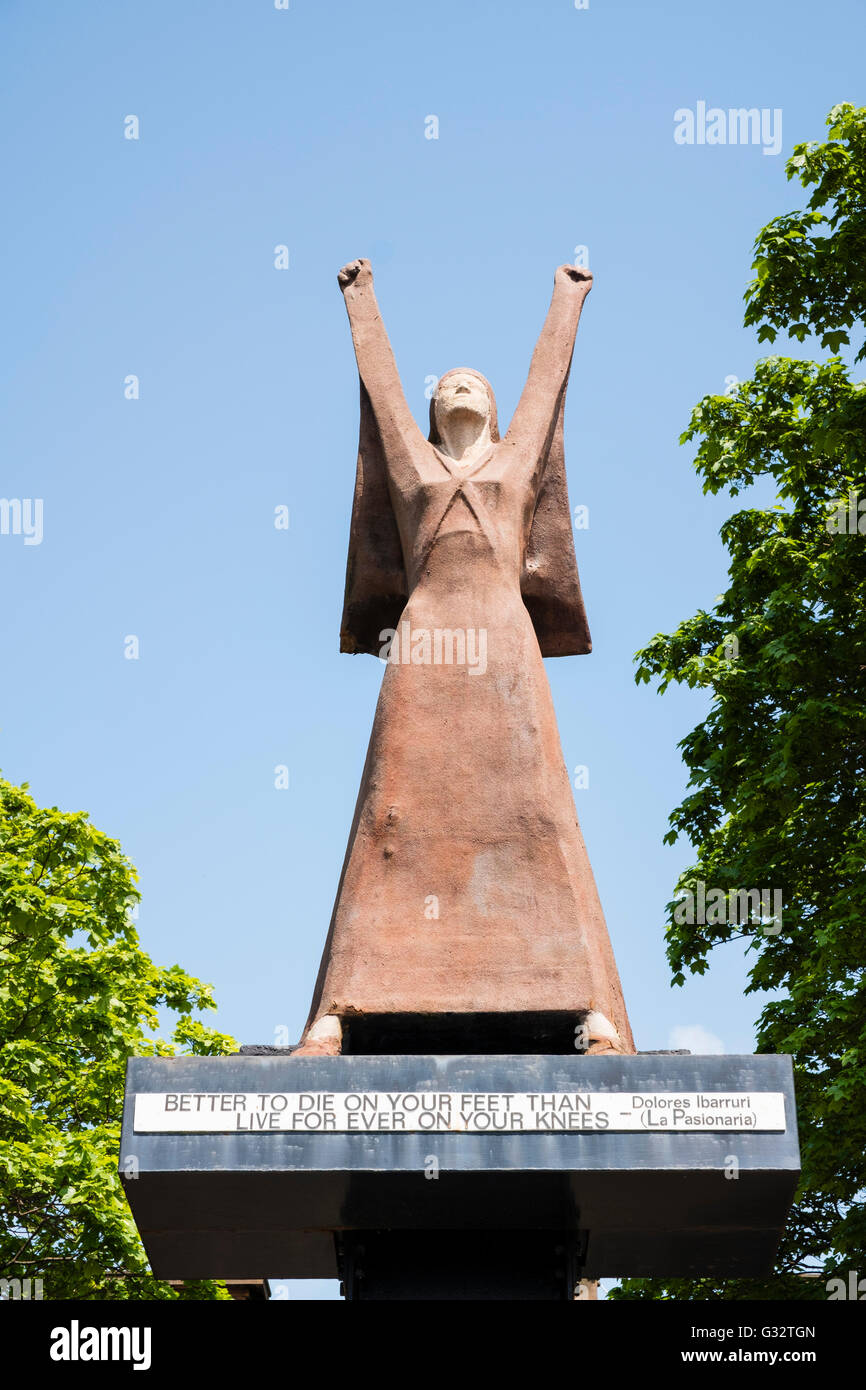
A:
[776, 769]
[78, 996]
[810, 266]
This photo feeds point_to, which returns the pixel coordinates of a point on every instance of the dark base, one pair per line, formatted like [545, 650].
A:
[460, 1265]
[245, 1206]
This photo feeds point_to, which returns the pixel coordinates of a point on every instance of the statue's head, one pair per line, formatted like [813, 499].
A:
[465, 392]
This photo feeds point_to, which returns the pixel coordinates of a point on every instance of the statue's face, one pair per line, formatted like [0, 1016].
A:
[461, 392]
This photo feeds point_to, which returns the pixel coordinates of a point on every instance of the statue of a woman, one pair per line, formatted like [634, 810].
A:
[466, 888]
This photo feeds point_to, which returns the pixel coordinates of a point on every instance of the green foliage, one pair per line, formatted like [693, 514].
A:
[776, 769]
[810, 266]
[77, 997]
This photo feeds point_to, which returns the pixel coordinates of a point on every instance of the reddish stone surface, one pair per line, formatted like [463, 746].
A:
[466, 885]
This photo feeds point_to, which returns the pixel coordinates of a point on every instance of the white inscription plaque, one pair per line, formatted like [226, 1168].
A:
[472, 1112]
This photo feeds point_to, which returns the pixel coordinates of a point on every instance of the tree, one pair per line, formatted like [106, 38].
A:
[811, 266]
[78, 996]
[776, 769]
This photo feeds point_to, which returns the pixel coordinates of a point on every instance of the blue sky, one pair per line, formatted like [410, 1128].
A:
[155, 257]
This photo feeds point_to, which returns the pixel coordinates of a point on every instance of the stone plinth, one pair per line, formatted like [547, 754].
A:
[629, 1193]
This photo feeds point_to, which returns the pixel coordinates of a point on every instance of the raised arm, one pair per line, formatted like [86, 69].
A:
[376, 364]
[535, 417]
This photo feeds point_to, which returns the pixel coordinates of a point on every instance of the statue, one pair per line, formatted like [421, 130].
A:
[467, 962]
[466, 887]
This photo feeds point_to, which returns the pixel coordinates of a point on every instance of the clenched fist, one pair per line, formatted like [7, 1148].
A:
[358, 273]
[576, 275]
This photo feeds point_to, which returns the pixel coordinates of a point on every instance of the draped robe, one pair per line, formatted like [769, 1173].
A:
[466, 886]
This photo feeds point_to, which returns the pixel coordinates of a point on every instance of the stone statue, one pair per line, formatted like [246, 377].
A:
[466, 887]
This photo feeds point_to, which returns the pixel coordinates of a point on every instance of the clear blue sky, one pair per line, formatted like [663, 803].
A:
[155, 257]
